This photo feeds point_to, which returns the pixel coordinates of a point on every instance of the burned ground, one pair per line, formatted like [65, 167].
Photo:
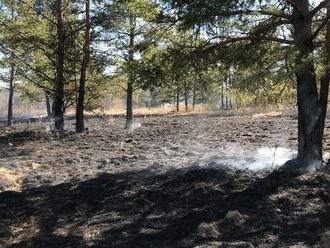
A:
[150, 187]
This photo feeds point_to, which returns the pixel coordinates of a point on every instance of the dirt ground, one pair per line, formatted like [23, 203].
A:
[176, 181]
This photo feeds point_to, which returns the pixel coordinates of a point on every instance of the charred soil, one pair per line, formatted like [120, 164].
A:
[154, 186]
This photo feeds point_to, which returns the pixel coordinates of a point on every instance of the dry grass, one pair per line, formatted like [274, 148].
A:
[118, 107]
[12, 177]
[268, 114]
[121, 110]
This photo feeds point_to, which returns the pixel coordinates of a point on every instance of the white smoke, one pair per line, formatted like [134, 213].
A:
[264, 158]
[135, 125]
[260, 159]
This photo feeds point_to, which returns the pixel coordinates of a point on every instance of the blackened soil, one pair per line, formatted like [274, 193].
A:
[105, 197]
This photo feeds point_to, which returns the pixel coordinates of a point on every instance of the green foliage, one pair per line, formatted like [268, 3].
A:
[161, 47]
[28, 41]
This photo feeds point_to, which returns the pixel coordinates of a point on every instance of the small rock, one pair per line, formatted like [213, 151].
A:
[69, 160]
[125, 158]
[277, 210]
[208, 230]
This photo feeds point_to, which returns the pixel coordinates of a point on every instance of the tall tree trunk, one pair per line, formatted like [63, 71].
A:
[227, 107]
[129, 105]
[48, 106]
[60, 58]
[80, 126]
[186, 97]
[194, 97]
[153, 102]
[223, 94]
[311, 113]
[177, 98]
[325, 80]
[229, 82]
[11, 95]
[130, 84]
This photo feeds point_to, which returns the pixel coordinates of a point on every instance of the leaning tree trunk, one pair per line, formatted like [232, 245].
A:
[80, 126]
[311, 108]
[60, 58]
[11, 95]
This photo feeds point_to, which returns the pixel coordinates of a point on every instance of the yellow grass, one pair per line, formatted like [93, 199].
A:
[120, 110]
[12, 177]
[268, 114]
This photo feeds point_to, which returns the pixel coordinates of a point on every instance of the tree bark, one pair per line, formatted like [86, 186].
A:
[153, 102]
[130, 83]
[129, 103]
[177, 98]
[80, 125]
[237, 103]
[222, 95]
[48, 106]
[194, 97]
[311, 108]
[325, 80]
[60, 58]
[226, 84]
[186, 97]
[11, 95]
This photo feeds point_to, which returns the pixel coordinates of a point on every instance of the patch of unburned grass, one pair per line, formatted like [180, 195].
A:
[121, 110]
[11, 177]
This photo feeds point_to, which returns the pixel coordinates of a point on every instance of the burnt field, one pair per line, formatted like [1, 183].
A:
[207, 180]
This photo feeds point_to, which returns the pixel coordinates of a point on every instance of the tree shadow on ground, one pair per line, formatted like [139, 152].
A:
[141, 209]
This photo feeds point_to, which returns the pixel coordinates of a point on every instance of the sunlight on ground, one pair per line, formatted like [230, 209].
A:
[120, 110]
[11, 177]
[268, 114]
